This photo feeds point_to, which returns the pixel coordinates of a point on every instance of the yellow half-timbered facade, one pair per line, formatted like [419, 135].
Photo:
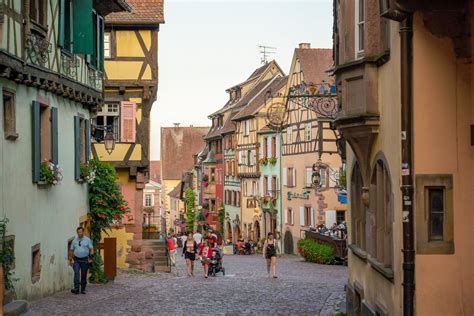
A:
[130, 49]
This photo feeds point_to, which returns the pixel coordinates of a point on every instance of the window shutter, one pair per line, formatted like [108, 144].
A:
[312, 217]
[77, 147]
[100, 44]
[54, 135]
[309, 174]
[294, 177]
[284, 175]
[274, 146]
[269, 147]
[128, 122]
[83, 27]
[36, 135]
[286, 216]
[301, 216]
[88, 140]
[262, 186]
[265, 147]
[62, 17]
[292, 217]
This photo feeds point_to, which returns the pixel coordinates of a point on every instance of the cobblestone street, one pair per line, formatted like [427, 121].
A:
[301, 289]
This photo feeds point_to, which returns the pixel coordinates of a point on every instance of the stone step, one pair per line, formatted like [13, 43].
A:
[162, 269]
[154, 248]
[153, 242]
[15, 308]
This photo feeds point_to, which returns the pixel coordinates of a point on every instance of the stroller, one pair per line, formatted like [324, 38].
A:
[216, 263]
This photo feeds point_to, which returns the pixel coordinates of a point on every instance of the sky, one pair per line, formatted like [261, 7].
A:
[207, 46]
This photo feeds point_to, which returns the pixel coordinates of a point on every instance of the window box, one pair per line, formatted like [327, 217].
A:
[43, 184]
[11, 136]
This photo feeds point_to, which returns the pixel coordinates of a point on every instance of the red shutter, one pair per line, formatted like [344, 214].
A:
[127, 122]
[273, 147]
[265, 147]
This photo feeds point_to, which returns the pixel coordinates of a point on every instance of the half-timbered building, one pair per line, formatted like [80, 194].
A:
[306, 139]
[50, 79]
[247, 126]
[130, 49]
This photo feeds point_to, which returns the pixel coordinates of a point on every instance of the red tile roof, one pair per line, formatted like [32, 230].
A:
[149, 12]
[314, 63]
[178, 145]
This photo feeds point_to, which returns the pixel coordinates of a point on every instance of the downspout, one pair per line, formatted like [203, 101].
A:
[406, 39]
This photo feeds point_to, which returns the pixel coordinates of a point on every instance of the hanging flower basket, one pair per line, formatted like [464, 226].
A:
[87, 173]
[264, 161]
[272, 161]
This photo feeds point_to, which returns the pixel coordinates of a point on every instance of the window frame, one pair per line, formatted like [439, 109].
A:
[9, 110]
[359, 31]
[110, 35]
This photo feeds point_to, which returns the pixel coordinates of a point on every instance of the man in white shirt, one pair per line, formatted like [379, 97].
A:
[197, 237]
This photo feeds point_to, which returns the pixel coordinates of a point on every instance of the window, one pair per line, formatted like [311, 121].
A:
[9, 115]
[308, 177]
[38, 9]
[148, 200]
[35, 263]
[274, 187]
[265, 148]
[359, 28]
[82, 137]
[380, 246]
[213, 175]
[254, 188]
[109, 117]
[291, 177]
[289, 216]
[434, 215]
[107, 45]
[65, 25]
[357, 209]
[307, 132]
[96, 58]
[249, 158]
[308, 216]
[340, 217]
[289, 134]
[246, 128]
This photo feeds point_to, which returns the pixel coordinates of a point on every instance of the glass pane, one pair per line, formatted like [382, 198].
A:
[436, 213]
[361, 36]
[361, 10]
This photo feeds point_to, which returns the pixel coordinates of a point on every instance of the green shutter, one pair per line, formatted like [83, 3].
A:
[82, 26]
[100, 44]
[88, 139]
[54, 135]
[77, 147]
[36, 140]
[62, 24]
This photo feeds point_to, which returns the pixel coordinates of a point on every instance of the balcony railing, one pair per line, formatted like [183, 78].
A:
[37, 49]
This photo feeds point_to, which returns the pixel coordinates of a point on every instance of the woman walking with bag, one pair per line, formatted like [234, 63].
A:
[189, 253]
[270, 254]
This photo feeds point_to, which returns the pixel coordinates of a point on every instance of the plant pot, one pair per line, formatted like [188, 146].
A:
[43, 184]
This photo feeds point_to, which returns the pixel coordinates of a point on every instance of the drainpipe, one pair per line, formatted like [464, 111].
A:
[406, 38]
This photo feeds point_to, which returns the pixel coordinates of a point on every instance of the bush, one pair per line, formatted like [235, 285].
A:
[313, 251]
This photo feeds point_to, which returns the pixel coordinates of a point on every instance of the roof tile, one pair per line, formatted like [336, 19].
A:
[143, 12]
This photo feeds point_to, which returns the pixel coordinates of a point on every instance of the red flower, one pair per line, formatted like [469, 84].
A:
[113, 195]
[100, 215]
[117, 217]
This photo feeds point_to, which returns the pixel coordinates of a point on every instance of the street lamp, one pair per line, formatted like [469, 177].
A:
[109, 142]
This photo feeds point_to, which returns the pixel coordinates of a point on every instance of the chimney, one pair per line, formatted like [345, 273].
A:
[305, 45]
[176, 125]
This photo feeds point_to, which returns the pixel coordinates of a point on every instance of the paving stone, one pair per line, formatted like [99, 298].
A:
[301, 289]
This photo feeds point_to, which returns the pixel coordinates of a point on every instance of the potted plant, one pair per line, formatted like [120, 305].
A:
[149, 209]
[150, 228]
[50, 173]
[264, 161]
[272, 161]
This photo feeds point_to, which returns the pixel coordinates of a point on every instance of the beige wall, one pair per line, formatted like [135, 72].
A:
[168, 186]
[378, 289]
[443, 111]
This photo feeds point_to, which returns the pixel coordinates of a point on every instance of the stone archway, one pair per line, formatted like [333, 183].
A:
[288, 242]
[237, 233]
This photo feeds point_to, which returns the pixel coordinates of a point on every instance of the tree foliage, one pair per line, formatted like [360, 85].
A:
[107, 207]
[190, 215]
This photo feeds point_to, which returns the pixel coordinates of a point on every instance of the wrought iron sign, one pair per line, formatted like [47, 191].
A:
[277, 116]
[37, 49]
[319, 98]
[293, 195]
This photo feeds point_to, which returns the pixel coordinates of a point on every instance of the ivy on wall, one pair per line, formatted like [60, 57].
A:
[190, 215]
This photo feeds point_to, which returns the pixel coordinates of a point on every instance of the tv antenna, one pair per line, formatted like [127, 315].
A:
[266, 51]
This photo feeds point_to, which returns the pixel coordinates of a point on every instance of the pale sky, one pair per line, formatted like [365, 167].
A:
[207, 46]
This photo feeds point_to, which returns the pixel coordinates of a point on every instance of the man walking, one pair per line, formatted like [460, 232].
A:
[171, 250]
[79, 254]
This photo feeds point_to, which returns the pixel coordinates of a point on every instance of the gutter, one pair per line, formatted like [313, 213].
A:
[406, 59]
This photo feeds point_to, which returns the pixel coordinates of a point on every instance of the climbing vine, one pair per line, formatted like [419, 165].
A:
[107, 207]
[190, 215]
[222, 218]
[7, 257]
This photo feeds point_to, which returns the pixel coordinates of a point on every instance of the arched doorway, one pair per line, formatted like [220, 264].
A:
[237, 233]
[229, 232]
[257, 233]
[288, 243]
